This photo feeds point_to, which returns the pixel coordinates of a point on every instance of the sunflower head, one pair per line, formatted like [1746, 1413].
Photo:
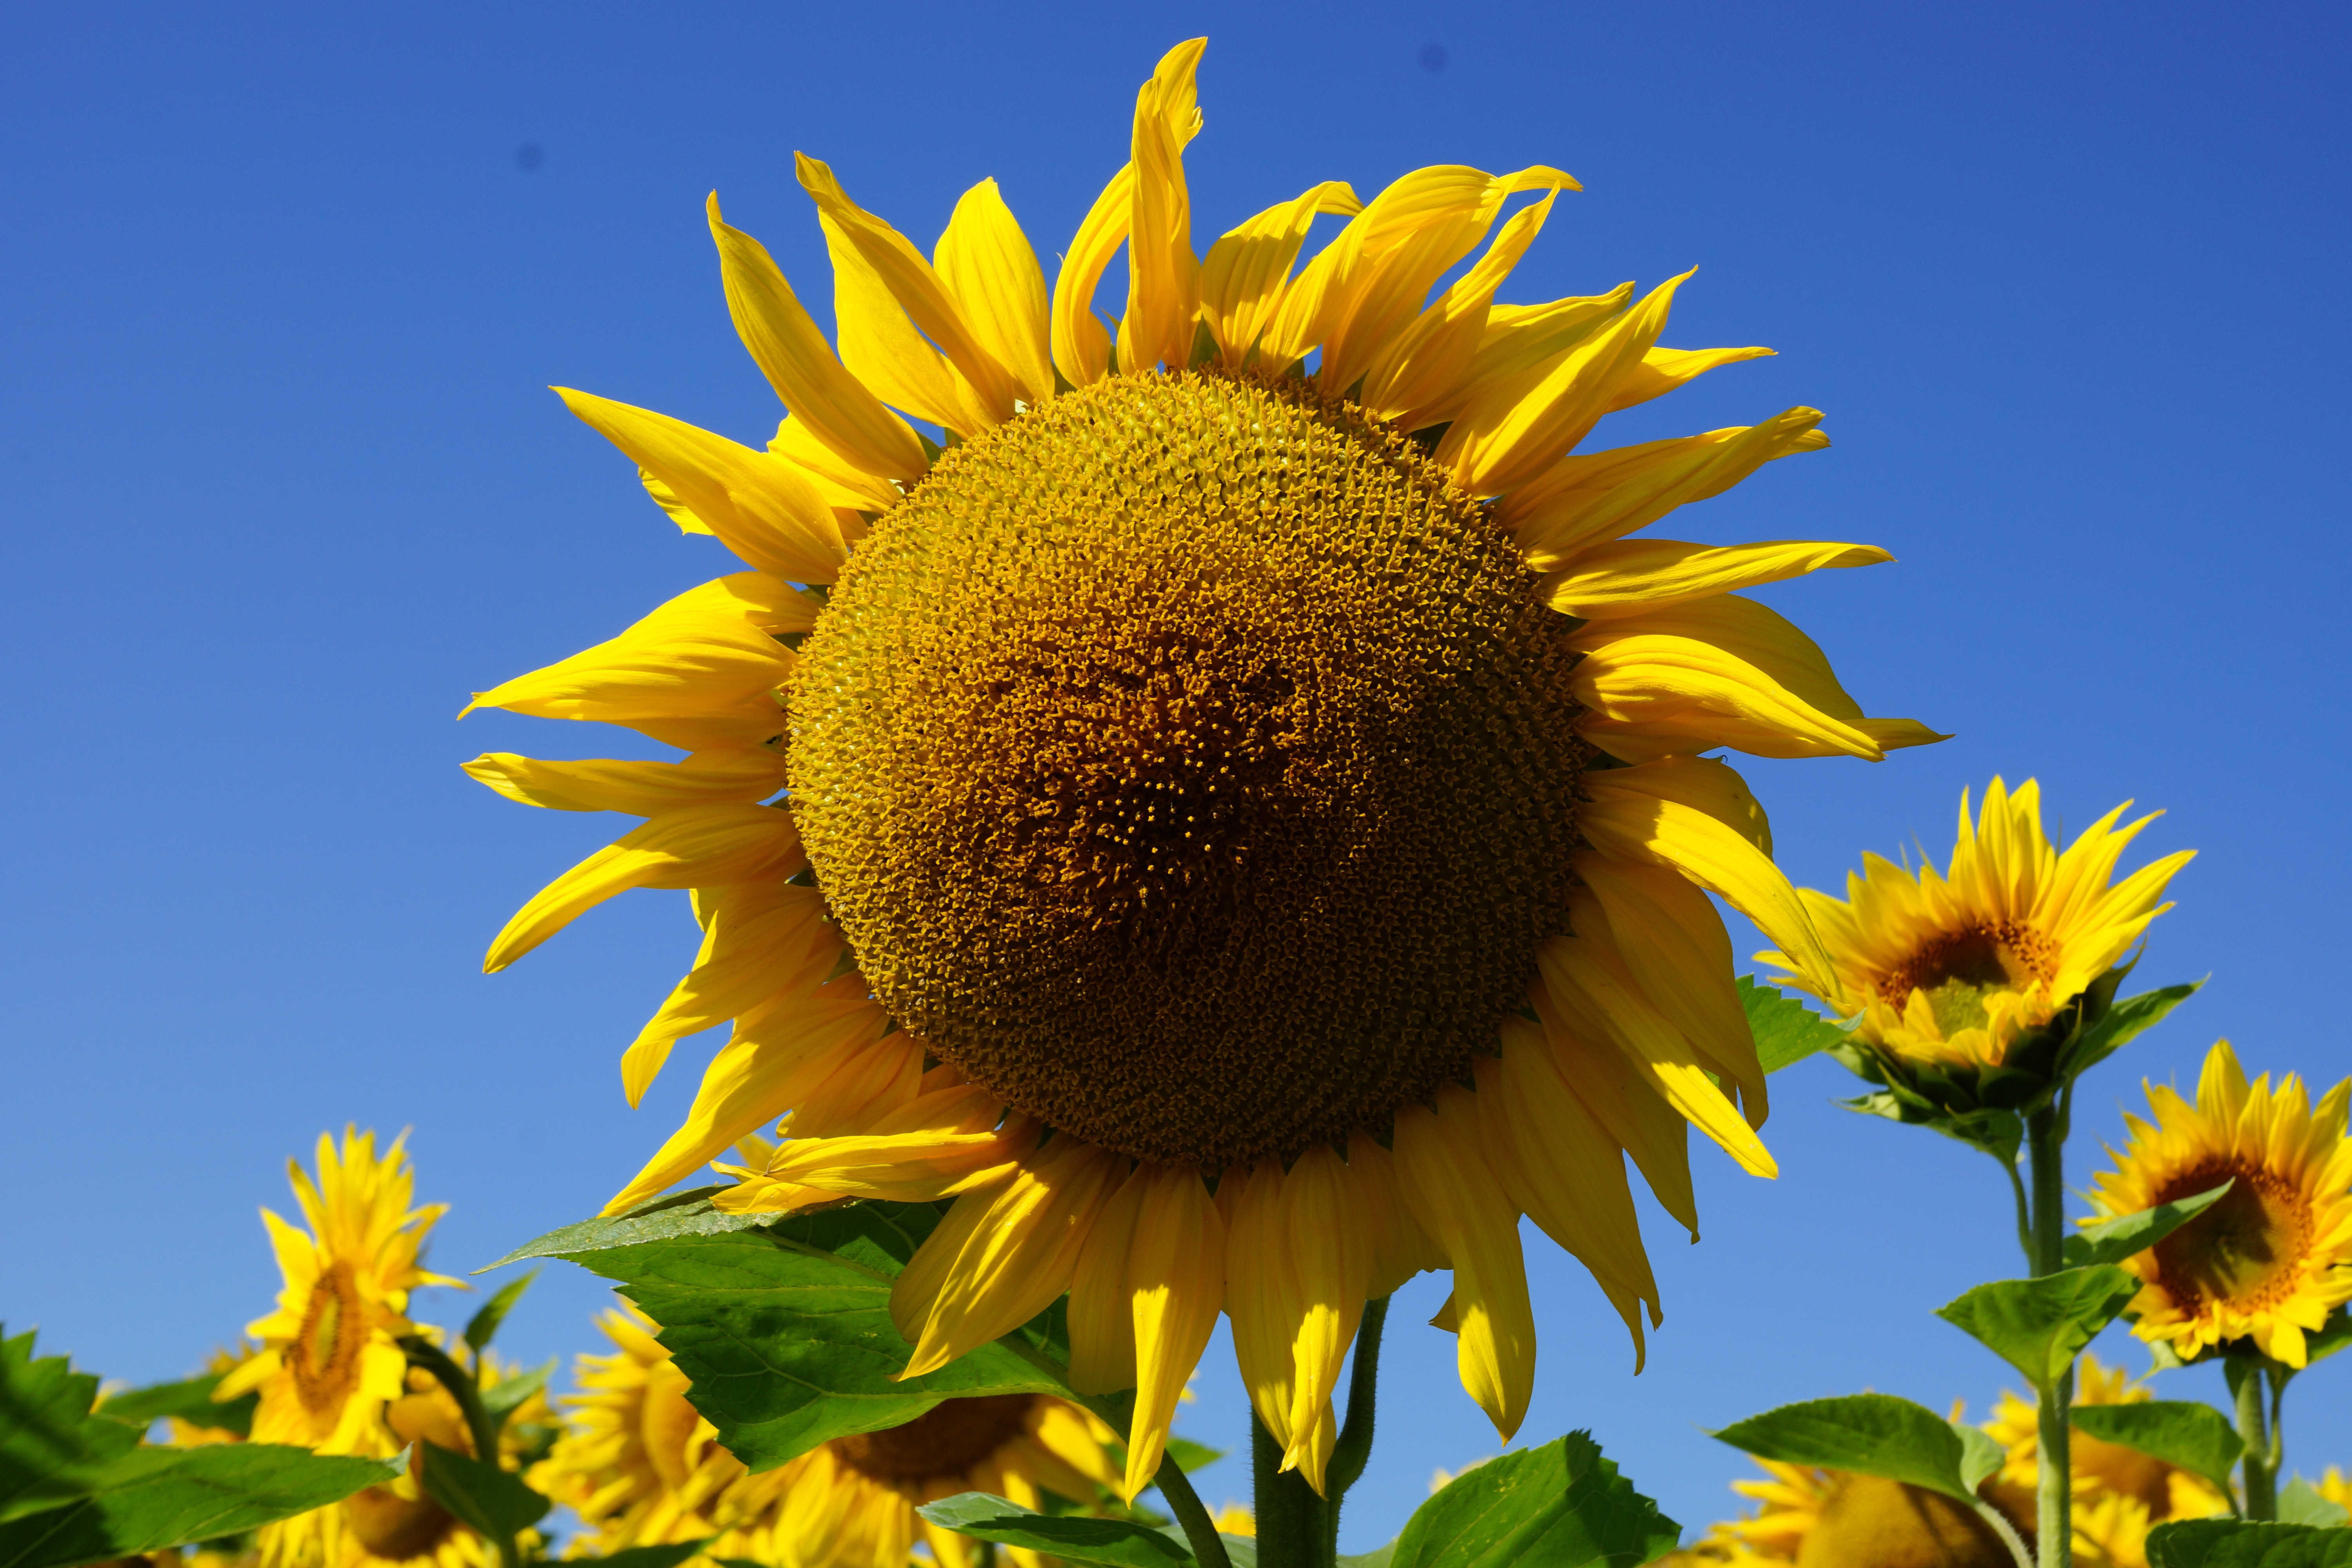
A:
[1832, 1519]
[1962, 969]
[331, 1359]
[2272, 1259]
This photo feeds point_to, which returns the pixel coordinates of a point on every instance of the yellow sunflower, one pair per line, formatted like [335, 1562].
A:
[330, 1358]
[1242, 794]
[1952, 968]
[2120, 1493]
[1814, 1518]
[2335, 1487]
[2273, 1257]
[640, 1466]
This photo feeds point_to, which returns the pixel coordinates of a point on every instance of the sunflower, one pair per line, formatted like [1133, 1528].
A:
[640, 1466]
[2335, 1487]
[1953, 968]
[2273, 1257]
[1815, 1517]
[330, 1358]
[1234, 810]
[2120, 1493]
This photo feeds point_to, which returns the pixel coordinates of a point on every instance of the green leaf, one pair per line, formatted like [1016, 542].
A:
[155, 1497]
[2183, 1432]
[2234, 1544]
[2122, 1023]
[484, 1323]
[2299, 1502]
[2039, 1326]
[1071, 1536]
[1999, 1133]
[190, 1402]
[2333, 1336]
[1871, 1434]
[2122, 1237]
[504, 1397]
[1191, 1455]
[1379, 1557]
[494, 1501]
[52, 1447]
[1786, 1030]
[1560, 1506]
[785, 1334]
[682, 1213]
[657, 1556]
[1980, 1456]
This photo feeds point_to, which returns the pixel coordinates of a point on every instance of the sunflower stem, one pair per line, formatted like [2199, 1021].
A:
[2054, 1513]
[462, 1388]
[1200, 1529]
[1355, 1443]
[2259, 1469]
[1294, 1529]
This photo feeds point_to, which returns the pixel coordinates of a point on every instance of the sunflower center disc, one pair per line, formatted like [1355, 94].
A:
[1191, 763]
[946, 1440]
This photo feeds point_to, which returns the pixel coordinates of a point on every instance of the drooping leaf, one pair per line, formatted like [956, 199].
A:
[494, 1501]
[1071, 1536]
[657, 1556]
[785, 1334]
[484, 1324]
[1786, 1030]
[2183, 1432]
[681, 1214]
[1191, 1455]
[149, 1498]
[1560, 1506]
[2236, 1543]
[52, 1446]
[1999, 1133]
[1981, 1458]
[2299, 1502]
[190, 1402]
[2122, 1023]
[1870, 1433]
[2130, 1234]
[2039, 1326]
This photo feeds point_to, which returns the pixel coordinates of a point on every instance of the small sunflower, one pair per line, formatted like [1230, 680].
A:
[330, 1358]
[1237, 810]
[1953, 967]
[2272, 1257]
[2120, 1493]
[641, 1467]
[2335, 1487]
[1812, 1518]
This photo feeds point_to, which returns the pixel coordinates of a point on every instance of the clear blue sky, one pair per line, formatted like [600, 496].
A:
[284, 485]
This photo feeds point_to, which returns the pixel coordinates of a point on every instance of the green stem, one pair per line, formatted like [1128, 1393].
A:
[2260, 1466]
[2053, 1512]
[1294, 1526]
[1200, 1529]
[1355, 1442]
[2024, 1213]
[423, 1353]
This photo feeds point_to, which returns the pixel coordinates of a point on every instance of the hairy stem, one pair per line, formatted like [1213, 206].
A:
[1355, 1443]
[2258, 1469]
[1200, 1529]
[1294, 1526]
[2053, 1512]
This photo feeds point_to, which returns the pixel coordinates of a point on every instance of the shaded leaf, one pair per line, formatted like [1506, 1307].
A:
[52, 1446]
[1560, 1506]
[504, 1397]
[2039, 1326]
[681, 1214]
[1982, 1457]
[190, 1402]
[658, 1556]
[1379, 1557]
[494, 1501]
[153, 1498]
[2183, 1432]
[2122, 1023]
[2235, 1543]
[1870, 1433]
[484, 1324]
[2127, 1234]
[1071, 1536]
[2299, 1502]
[2333, 1336]
[1786, 1030]
[1191, 1455]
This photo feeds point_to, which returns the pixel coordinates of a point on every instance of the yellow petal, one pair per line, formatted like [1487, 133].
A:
[1175, 1274]
[1518, 426]
[1101, 1317]
[673, 668]
[763, 509]
[1242, 281]
[1260, 1292]
[1000, 1256]
[1520, 338]
[882, 348]
[1401, 1249]
[1081, 341]
[666, 498]
[761, 938]
[1431, 357]
[1331, 1248]
[919, 291]
[642, 789]
[696, 845]
[987, 265]
[1630, 575]
[838, 485]
[1663, 370]
[1454, 1195]
[920, 1152]
[1584, 500]
[1163, 276]
[832, 404]
[1628, 1108]
[1698, 696]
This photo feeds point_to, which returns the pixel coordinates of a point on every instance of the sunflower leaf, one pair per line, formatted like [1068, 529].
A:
[190, 1402]
[784, 1331]
[493, 1499]
[2120, 1024]
[2186, 1433]
[2039, 1326]
[2299, 1502]
[680, 1214]
[1870, 1433]
[2122, 1237]
[2235, 1543]
[1786, 1030]
[669, 1556]
[149, 1498]
[484, 1324]
[1560, 1506]
[1074, 1538]
[2332, 1336]
[1191, 1455]
[53, 1445]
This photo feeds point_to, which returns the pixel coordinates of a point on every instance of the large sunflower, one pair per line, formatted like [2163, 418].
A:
[1952, 967]
[2273, 1257]
[331, 1359]
[1244, 838]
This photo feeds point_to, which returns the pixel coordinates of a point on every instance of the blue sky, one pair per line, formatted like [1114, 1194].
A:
[285, 485]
